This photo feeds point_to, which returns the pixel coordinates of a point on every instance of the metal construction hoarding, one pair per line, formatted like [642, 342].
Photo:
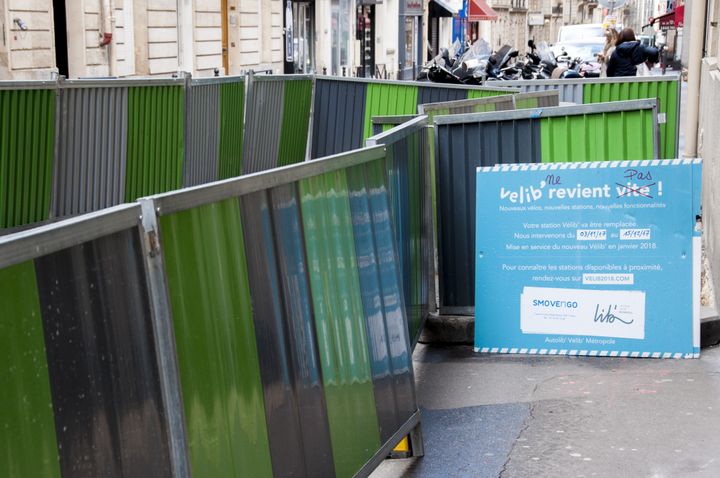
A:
[253, 325]
[624, 130]
[666, 89]
[344, 107]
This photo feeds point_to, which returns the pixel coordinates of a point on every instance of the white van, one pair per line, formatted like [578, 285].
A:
[588, 33]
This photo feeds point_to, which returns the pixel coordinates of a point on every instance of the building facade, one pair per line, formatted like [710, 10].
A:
[99, 38]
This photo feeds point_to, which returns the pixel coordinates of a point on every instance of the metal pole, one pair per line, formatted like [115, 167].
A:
[697, 20]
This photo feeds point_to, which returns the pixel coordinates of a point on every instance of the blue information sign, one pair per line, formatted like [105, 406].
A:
[597, 259]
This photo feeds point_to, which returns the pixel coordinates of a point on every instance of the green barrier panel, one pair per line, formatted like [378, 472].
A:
[339, 321]
[215, 336]
[625, 135]
[295, 123]
[475, 94]
[667, 93]
[526, 103]
[383, 99]
[155, 142]
[27, 430]
[27, 142]
[232, 111]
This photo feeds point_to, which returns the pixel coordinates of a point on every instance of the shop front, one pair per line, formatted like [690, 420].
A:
[440, 19]
[410, 38]
[671, 26]
[299, 24]
[478, 11]
[365, 36]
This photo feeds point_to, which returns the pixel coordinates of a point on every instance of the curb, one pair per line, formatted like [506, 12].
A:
[460, 330]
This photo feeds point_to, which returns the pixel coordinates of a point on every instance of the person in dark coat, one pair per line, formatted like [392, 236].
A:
[628, 54]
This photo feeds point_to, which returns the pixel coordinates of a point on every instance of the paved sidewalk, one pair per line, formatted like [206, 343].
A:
[529, 416]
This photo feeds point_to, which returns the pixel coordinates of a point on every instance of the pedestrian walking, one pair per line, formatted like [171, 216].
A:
[611, 36]
[628, 54]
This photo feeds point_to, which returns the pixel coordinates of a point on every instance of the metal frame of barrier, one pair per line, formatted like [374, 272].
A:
[573, 90]
[517, 120]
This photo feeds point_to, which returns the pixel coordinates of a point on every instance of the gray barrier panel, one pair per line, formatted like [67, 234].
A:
[460, 150]
[89, 170]
[264, 113]
[570, 91]
[202, 134]
[427, 94]
[338, 116]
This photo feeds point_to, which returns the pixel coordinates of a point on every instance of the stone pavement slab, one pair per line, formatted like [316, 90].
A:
[531, 416]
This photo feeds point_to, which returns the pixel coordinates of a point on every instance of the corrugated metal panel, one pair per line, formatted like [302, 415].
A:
[339, 321]
[29, 444]
[27, 142]
[434, 94]
[382, 297]
[282, 306]
[232, 121]
[462, 148]
[406, 186]
[295, 121]
[102, 362]
[155, 143]
[385, 99]
[215, 341]
[667, 91]
[570, 91]
[262, 129]
[539, 99]
[338, 116]
[475, 93]
[475, 105]
[202, 137]
[622, 135]
[89, 169]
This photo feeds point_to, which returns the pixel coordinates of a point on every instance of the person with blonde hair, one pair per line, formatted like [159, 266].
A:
[610, 38]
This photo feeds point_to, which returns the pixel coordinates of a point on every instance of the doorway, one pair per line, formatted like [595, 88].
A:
[366, 36]
[61, 37]
[224, 36]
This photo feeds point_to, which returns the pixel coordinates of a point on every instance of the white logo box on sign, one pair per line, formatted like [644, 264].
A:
[595, 313]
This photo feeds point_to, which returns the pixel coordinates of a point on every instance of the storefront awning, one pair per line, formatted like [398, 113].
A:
[674, 19]
[479, 11]
[438, 8]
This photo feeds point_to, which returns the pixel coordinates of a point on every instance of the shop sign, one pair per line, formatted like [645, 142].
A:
[413, 8]
[536, 19]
